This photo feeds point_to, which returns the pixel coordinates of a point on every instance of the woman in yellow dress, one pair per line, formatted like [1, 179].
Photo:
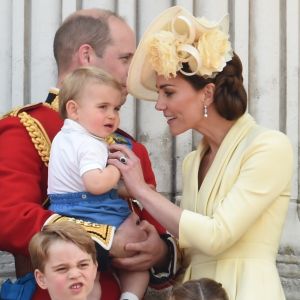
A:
[236, 184]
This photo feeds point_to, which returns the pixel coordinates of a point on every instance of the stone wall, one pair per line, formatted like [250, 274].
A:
[7, 266]
[264, 33]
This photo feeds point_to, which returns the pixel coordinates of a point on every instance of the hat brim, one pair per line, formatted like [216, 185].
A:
[141, 81]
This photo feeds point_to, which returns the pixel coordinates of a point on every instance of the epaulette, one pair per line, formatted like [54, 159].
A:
[14, 112]
[35, 129]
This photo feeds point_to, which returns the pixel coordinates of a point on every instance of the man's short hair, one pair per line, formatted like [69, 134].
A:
[81, 28]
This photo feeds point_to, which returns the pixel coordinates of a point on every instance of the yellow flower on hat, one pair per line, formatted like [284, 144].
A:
[213, 46]
[163, 56]
[203, 45]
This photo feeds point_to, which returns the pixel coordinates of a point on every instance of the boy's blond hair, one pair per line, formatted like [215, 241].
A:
[75, 82]
[64, 231]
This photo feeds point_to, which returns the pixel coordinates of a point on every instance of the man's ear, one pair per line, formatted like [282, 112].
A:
[72, 109]
[40, 279]
[85, 52]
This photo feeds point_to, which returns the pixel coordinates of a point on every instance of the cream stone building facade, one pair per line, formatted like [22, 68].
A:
[265, 34]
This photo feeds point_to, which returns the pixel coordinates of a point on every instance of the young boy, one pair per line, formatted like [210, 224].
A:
[80, 184]
[64, 259]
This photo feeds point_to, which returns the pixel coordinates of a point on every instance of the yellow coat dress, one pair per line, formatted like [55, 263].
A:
[230, 229]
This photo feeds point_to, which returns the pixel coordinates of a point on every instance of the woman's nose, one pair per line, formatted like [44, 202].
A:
[160, 104]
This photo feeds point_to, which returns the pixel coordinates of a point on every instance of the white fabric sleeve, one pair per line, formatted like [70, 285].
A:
[92, 155]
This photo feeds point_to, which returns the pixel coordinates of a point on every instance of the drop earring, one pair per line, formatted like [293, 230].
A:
[205, 111]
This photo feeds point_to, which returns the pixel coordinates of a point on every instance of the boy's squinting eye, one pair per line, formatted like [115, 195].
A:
[84, 265]
[61, 269]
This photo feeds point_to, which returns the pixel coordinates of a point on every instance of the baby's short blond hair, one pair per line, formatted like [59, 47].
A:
[74, 83]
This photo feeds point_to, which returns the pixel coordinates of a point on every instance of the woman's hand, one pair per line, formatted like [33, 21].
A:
[148, 253]
[165, 212]
[129, 165]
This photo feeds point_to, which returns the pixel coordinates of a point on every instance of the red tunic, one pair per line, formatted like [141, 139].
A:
[23, 187]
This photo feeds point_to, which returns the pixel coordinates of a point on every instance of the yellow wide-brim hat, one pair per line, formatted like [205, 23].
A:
[141, 81]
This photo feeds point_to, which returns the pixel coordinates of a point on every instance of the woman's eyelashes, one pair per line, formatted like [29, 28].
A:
[167, 93]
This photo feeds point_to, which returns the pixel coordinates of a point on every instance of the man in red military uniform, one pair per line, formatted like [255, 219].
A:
[88, 37]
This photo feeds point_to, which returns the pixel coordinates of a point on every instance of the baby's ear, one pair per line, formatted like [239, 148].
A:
[71, 109]
[40, 279]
